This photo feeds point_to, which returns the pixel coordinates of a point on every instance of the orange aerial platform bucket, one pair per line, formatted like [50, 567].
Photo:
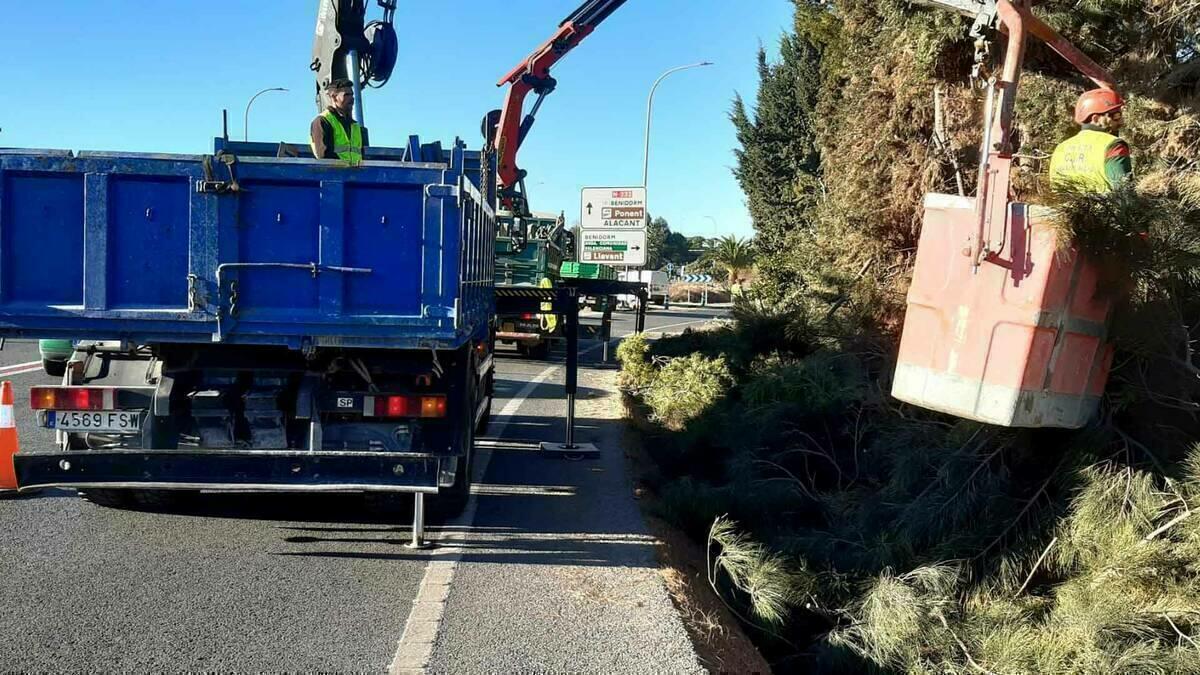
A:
[1003, 327]
[1018, 341]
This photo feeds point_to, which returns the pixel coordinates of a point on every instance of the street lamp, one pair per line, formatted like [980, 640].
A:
[715, 226]
[246, 121]
[650, 108]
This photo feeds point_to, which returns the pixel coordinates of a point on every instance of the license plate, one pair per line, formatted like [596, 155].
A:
[112, 422]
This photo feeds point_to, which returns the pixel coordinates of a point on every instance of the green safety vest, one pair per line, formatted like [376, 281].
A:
[349, 149]
[1080, 160]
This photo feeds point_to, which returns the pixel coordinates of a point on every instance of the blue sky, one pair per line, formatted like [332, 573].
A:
[154, 76]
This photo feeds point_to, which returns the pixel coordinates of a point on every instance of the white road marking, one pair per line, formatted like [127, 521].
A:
[420, 631]
[10, 373]
[23, 367]
[415, 648]
[496, 489]
[659, 329]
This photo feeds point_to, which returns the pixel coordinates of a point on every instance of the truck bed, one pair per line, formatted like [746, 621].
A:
[150, 248]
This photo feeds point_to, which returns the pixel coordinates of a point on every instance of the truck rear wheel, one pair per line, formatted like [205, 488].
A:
[489, 390]
[54, 368]
[541, 351]
[452, 500]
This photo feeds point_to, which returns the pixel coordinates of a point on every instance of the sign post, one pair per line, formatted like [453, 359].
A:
[613, 226]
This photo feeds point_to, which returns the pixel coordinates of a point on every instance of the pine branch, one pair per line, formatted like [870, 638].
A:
[966, 652]
[791, 477]
[1172, 523]
[1028, 505]
[1035, 567]
[1181, 633]
[987, 460]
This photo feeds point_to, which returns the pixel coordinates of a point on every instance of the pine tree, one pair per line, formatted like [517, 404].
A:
[778, 165]
[656, 240]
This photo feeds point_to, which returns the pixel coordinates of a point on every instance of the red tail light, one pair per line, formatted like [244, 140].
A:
[528, 317]
[410, 406]
[396, 406]
[70, 398]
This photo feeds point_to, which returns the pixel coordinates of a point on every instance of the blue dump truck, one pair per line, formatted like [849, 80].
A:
[254, 321]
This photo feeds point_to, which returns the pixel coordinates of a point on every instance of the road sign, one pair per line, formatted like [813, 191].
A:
[620, 208]
[697, 278]
[615, 247]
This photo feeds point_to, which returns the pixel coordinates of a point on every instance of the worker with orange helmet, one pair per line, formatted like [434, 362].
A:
[1095, 158]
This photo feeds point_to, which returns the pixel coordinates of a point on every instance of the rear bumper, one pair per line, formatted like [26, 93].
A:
[261, 470]
[520, 337]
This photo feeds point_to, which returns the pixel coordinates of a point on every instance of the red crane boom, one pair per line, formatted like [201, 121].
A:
[506, 129]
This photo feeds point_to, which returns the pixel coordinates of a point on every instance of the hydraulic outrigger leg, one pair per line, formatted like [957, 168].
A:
[418, 528]
[570, 448]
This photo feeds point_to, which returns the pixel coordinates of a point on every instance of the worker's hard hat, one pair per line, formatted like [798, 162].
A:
[1097, 102]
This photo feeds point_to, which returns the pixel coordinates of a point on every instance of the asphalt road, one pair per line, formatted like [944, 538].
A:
[545, 558]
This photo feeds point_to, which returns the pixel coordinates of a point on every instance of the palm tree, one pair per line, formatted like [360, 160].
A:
[734, 255]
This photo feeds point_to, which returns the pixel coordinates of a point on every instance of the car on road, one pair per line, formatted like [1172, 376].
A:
[55, 354]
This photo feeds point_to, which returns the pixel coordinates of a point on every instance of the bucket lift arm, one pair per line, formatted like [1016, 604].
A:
[505, 129]
[1014, 18]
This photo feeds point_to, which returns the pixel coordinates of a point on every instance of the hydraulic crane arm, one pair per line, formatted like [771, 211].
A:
[987, 13]
[505, 129]
[346, 46]
[1017, 20]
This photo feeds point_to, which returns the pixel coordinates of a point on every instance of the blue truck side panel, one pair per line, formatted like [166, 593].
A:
[396, 253]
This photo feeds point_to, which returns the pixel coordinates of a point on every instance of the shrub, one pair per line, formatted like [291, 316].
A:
[822, 384]
[637, 372]
[687, 388]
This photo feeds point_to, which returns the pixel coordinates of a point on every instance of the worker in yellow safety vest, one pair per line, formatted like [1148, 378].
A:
[1095, 158]
[334, 134]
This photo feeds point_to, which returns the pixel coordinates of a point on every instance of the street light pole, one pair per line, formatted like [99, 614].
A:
[650, 109]
[704, 302]
[246, 120]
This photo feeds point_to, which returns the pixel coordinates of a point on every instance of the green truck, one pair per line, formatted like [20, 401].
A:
[538, 252]
[530, 253]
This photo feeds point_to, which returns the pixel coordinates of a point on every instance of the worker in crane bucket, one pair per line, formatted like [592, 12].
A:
[1096, 158]
[334, 134]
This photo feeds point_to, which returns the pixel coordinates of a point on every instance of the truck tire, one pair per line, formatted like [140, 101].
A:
[490, 393]
[541, 351]
[54, 368]
[452, 500]
[111, 499]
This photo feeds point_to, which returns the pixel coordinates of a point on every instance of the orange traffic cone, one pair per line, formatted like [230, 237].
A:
[8, 438]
